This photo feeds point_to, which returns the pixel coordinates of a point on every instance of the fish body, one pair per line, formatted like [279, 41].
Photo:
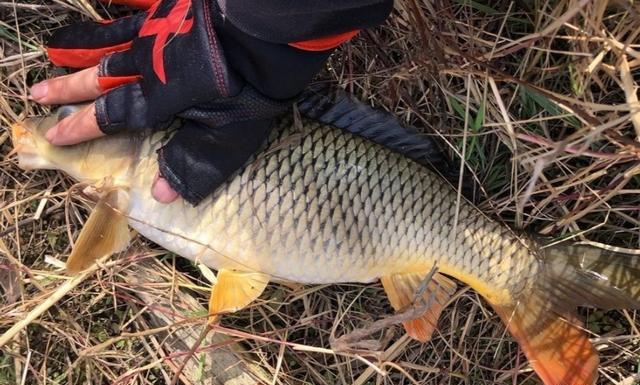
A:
[330, 207]
[322, 204]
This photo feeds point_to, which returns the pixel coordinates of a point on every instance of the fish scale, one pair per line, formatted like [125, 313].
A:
[324, 201]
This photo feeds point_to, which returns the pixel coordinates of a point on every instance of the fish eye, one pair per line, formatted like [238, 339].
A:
[64, 111]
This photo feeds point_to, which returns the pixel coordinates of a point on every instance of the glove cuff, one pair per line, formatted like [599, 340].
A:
[283, 22]
[248, 105]
[276, 70]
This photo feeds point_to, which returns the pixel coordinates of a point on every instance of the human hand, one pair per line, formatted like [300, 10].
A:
[136, 78]
[82, 126]
[145, 70]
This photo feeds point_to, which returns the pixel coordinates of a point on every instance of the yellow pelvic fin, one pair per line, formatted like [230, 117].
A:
[106, 232]
[403, 289]
[557, 347]
[235, 290]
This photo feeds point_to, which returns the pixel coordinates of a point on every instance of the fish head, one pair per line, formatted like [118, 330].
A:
[106, 157]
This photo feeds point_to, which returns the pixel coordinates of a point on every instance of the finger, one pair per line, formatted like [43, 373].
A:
[162, 191]
[142, 4]
[73, 88]
[125, 108]
[83, 44]
[116, 70]
[76, 128]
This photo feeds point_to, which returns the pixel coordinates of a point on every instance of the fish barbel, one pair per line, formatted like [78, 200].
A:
[322, 204]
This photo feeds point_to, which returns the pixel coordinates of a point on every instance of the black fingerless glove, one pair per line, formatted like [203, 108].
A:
[167, 60]
[183, 58]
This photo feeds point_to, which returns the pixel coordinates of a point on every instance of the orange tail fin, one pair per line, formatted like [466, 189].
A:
[557, 347]
[544, 321]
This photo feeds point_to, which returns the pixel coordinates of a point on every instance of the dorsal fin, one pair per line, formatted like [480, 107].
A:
[335, 107]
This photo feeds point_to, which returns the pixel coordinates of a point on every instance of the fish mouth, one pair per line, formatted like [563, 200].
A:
[66, 110]
[25, 144]
[25, 134]
[19, 137]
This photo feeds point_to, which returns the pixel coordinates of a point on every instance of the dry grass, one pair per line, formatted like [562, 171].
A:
[538, 97]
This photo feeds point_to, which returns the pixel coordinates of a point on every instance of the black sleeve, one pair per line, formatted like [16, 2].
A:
[278, 71]
[287, 21]
[255, 34]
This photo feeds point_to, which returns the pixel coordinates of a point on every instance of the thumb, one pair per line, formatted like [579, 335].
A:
[161, 191]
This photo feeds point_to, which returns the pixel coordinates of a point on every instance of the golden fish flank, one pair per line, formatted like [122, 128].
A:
[324, 206]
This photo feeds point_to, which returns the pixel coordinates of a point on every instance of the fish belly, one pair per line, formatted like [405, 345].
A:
[231, 243]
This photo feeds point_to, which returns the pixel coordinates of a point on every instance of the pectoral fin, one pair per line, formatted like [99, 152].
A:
[235, 290]
[106, 232]
[402, 290]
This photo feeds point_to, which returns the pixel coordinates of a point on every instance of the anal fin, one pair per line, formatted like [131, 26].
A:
[106, 232]
[402, 290]
[235, 290]
[557, 347]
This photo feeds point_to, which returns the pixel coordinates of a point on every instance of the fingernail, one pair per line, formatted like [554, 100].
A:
[39, 91]
[51, 134]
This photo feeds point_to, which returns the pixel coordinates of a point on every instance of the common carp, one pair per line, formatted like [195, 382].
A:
[344, 195]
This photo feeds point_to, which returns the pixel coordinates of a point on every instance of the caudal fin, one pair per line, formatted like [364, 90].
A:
[590, 276]
[544, 320]
[557, 347]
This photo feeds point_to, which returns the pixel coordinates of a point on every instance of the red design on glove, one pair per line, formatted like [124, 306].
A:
[107, 83]
[82, 57]
[175, 22]
[325, 43]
